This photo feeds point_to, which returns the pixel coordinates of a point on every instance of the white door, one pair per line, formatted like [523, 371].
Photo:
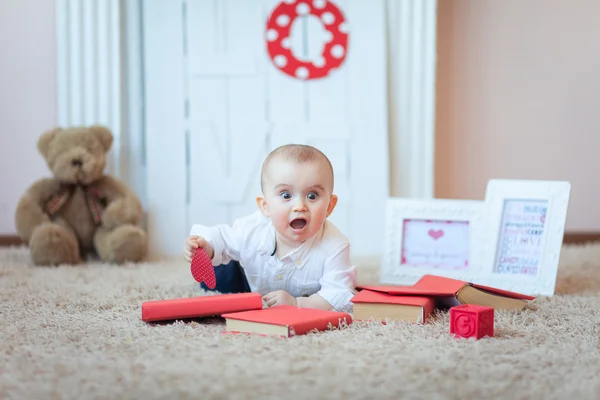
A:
[216, 104]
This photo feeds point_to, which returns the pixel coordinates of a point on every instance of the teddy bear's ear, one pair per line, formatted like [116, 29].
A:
[44, 141]
[103, 134]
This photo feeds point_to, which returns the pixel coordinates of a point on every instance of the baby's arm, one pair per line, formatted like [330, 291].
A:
[338, 284]
[225, 240]
[314, 301]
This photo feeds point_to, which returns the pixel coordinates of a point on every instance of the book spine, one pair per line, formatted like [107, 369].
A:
[203, 306]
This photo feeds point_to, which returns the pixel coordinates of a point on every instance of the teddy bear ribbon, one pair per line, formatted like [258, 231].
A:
[92, 197]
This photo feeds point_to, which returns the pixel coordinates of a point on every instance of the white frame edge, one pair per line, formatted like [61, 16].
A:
[412, 41]
[103, 83]
[133, 156]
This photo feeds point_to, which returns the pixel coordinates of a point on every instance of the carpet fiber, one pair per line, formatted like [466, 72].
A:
[75, 333]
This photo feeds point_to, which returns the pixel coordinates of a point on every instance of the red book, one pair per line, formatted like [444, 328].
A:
[202, 306]
[458, 292]
[380, 306]
[284, 320]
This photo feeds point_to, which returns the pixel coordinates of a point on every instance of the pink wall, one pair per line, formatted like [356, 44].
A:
[27, 96]
[519, 97]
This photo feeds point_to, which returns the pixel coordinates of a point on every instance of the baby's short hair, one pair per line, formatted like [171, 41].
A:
[299, 153]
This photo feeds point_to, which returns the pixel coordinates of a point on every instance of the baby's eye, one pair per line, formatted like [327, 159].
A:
[312, 196]
[285, 195]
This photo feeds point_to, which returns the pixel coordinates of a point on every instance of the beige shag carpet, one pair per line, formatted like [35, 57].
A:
[75, 333]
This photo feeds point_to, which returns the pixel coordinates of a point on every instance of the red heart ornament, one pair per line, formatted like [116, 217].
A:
[435, 234]
[202, 269]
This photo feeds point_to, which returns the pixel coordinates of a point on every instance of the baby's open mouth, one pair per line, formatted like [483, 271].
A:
[298, 223]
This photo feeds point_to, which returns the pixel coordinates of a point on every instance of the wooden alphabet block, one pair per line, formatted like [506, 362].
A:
[470, 320]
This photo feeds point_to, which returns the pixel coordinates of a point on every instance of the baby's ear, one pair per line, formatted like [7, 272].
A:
[103, 134]
[44, 141]
[262, 206]
[332, 203]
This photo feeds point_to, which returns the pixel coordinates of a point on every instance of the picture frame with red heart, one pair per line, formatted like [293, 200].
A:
[435, 236]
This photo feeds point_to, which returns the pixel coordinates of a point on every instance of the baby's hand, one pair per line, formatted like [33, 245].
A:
[194, 242]
[279, 297]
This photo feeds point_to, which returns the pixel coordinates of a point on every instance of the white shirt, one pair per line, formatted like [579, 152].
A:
[319, 265]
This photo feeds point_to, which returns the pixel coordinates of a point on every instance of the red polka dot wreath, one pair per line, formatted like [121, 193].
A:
[279, 25]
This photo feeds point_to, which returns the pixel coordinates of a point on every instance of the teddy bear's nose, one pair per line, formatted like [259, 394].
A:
[76, 162]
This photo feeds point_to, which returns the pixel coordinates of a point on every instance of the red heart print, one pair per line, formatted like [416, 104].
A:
[435, 234]
[202, 269]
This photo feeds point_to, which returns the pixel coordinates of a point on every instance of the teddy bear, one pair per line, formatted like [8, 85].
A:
[80, 210]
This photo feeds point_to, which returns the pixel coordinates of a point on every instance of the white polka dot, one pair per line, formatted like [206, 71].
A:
[328, 18]
[319, 62]
[272, 35]
[285, 43]
[319, 4]
[337, 51]
[280, 60]
[343, 27]
[302, 8]
[302, 73]
[328, 36]
[289, 1]
[283, 20]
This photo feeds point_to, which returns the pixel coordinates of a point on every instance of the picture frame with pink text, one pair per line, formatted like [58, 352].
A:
[526, 223]
[432, 236]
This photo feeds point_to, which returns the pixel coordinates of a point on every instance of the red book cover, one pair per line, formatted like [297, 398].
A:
[298, 320]
[201, 306]
[433, 285]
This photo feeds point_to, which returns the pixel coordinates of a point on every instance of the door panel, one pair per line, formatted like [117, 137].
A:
[239, 107]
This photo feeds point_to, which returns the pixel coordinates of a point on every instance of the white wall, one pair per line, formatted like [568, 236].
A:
[518, 96]
[27, 96]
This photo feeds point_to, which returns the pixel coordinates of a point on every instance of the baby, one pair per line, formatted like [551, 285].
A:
[289, 251]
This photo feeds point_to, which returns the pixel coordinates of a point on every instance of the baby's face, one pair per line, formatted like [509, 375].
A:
[298, 197]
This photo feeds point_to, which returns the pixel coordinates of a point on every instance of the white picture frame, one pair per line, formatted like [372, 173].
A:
[432, 236]
[526, 222]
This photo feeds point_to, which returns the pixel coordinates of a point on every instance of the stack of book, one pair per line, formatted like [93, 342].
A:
[244, 312]
[416, 303]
